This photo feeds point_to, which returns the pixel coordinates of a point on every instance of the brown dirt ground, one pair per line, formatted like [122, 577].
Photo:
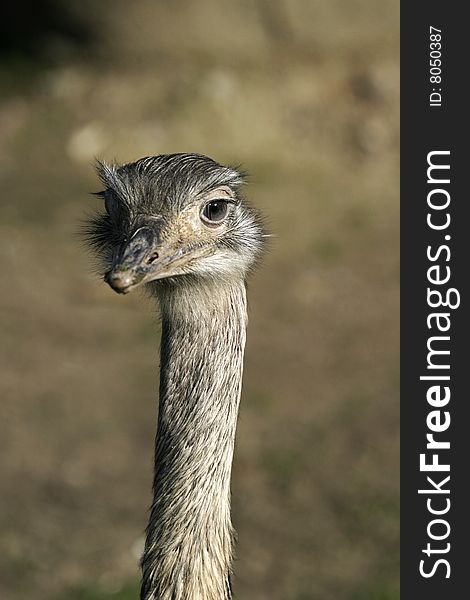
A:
[305, 96]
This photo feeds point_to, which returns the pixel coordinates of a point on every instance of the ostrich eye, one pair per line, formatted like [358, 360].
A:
[109, 204]
[215, 211]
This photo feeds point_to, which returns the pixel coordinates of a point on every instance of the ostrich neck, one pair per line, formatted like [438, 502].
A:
[188, 550]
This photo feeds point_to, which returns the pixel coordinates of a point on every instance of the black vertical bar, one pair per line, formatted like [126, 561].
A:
[427, 127]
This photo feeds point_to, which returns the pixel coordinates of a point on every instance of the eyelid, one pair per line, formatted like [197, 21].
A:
[221, 192]
[228, 200]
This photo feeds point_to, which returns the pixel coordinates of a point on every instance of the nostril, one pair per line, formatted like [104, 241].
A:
[152, 258]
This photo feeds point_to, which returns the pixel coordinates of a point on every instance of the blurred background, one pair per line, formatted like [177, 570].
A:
[303, 94]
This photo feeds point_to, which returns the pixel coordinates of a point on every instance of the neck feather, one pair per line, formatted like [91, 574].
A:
[189, 543]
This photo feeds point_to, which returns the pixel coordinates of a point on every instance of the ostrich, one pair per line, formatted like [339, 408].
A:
[177, 223]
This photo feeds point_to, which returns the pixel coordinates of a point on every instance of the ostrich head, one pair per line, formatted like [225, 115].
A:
[170, 217]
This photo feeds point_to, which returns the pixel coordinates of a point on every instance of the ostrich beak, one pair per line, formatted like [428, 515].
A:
[143, 259]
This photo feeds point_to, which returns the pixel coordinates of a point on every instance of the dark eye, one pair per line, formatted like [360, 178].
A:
[215, 211]
[108, 204]
[111, 202]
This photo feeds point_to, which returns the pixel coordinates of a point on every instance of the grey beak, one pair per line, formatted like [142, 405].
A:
[135, 260]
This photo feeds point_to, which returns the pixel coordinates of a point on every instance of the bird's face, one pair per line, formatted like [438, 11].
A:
[173, 216]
